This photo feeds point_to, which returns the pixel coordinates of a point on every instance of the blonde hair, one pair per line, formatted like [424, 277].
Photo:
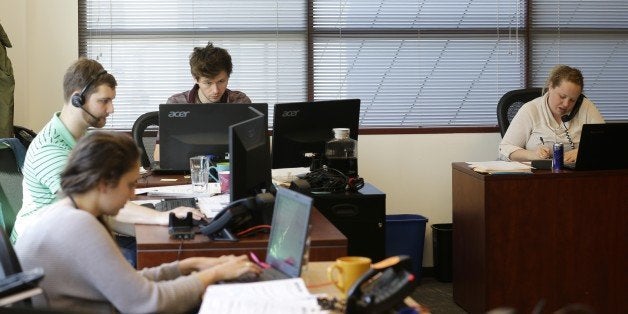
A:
[561, 73]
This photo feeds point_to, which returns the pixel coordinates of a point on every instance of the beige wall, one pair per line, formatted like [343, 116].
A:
[413, 170]
[44, 35]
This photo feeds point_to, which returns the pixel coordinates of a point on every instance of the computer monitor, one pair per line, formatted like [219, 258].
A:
[250, 157]
[187, 130]
[305, 127]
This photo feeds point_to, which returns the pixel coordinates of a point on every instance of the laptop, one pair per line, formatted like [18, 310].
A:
[287, 244]
[602, 147]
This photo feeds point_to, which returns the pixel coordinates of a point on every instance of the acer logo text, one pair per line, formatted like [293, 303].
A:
[289, 113]
[178, 114]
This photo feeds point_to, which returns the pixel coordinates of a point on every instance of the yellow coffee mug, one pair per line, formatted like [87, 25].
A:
[346, 270]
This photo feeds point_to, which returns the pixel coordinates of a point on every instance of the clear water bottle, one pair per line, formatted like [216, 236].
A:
[341, 152]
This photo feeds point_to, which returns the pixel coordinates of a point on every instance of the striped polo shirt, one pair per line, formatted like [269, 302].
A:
[45, 159]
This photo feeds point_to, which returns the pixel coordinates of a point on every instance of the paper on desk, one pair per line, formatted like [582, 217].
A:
[209, 205]
[276, 296]
[284, 176]
[184, 190]
[498, 166]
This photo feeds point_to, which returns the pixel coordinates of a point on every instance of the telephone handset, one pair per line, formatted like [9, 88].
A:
[239, 215]
[574, 111]
[383, 287]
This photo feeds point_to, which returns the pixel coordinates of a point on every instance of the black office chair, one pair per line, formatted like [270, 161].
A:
[10, 185]
[23, 134]
[146, 140]
[18, 296]
[510, 103]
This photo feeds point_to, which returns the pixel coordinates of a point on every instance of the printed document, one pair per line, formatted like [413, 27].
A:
[276, 296]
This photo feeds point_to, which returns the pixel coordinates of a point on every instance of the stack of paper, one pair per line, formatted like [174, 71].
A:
[184, 190]
[284, 176]
[494, 167]
[276, 296]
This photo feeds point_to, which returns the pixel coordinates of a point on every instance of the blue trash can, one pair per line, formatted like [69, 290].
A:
[405, 235]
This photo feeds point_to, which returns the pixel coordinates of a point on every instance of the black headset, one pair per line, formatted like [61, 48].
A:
[78, 100]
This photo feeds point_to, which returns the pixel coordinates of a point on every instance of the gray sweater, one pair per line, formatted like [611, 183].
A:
[85, 271]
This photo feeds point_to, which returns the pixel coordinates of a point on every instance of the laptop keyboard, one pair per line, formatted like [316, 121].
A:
[172, 203]
[265, 275]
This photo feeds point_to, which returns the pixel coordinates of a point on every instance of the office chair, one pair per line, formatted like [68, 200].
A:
[146, 143]
[9, 265]
[10, 184]
[510, 103]
[23, 134]
[8, 259]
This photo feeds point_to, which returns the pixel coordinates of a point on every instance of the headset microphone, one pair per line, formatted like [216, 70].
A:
[91, 115]
[78, 99]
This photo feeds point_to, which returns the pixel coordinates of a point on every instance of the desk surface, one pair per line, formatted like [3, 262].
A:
[315, 278]
[151, 180]
[559, 237]
[155, 247]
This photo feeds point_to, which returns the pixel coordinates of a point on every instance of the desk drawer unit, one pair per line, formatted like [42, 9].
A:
[360, 216]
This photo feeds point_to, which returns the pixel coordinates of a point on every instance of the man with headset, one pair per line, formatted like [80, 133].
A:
[88, 92]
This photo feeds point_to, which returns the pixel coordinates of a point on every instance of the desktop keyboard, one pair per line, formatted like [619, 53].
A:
[172, 203]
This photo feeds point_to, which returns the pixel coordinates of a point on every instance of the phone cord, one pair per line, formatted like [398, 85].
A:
[573, 146]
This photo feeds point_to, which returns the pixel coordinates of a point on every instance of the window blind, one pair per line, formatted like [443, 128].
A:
[419, 63]
[147, 44]
[589, 35]
[413, 63]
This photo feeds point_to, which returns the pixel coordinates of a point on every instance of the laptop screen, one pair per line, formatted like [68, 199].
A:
[289, 232]
[603, 147]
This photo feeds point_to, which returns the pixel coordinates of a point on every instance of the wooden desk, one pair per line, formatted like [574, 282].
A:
[315, 278]
[560, 237]
[148, 180]
[155, 247]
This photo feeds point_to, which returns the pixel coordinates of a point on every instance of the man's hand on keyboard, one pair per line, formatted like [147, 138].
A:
[182, 211]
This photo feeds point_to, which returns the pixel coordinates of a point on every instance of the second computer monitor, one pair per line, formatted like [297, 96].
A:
[305, 127]
[250, 157]
[187, 130]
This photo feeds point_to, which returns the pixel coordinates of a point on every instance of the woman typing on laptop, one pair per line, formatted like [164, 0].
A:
[84, 269]
[555, 117]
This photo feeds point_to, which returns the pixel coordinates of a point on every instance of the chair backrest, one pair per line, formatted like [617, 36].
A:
[23, 134]
[9, 262]
[10, 186]
[145, 142]
[510, 103]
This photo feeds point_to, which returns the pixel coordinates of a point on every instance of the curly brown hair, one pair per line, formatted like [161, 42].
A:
[208, 61]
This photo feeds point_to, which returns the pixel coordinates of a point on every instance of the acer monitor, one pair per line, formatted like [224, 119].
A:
[187, 130]
[304, 127]
[250, 157]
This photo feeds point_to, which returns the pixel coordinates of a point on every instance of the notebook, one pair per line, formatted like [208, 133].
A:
[602, 147]
[288, 241]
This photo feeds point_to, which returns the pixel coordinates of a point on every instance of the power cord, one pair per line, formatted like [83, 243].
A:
[332, 180]
[253, 230]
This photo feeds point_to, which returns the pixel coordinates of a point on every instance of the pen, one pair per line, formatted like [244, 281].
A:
[257, 261]
[542, 141]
